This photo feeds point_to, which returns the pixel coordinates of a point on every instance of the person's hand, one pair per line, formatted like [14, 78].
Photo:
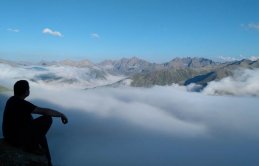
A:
[64, 119]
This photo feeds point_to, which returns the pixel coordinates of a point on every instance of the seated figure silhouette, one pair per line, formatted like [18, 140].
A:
[19, 127]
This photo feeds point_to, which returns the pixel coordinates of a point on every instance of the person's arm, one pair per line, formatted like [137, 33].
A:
[50, 112]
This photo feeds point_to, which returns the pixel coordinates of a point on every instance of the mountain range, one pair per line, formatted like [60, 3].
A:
[133, 71]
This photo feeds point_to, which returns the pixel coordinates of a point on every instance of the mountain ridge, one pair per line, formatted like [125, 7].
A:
[183, 71]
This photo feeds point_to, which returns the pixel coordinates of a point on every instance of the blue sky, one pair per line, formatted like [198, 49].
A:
[155, 30]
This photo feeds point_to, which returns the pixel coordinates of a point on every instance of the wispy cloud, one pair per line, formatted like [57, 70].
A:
[227, 58]
[230, 58]
[52, 32]
[252, 26]
[254, 58]
[238, 58]
[13, 30]
[95, 36]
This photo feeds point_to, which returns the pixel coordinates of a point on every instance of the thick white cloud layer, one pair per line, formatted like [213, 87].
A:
[244, 82]
[157, 122]
[129, 104]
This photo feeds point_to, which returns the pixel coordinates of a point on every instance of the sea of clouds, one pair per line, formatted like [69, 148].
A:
[242, 83]
[151, 126]
[56, 76]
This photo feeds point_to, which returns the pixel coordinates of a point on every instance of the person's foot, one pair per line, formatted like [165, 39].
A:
[49, 164]
[37, 151]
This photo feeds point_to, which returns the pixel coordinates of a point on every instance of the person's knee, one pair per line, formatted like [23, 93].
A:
[48, 119]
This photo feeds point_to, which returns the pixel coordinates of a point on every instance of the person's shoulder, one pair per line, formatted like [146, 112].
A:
[11, 102]
[12, 98]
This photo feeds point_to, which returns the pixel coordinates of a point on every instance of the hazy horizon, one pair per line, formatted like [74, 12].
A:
[215, 59]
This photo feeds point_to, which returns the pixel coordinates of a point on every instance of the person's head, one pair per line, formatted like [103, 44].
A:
[21, 88]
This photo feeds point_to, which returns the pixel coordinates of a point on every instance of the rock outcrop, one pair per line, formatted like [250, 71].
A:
[12, 156]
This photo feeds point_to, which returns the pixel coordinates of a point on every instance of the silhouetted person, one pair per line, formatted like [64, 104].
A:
[19, 127]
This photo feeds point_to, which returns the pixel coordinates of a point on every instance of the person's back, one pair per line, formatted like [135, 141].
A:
[17, 117]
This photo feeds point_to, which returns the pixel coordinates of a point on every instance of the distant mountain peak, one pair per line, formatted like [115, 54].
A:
[190, 62]
[68, 62]
[81, 63]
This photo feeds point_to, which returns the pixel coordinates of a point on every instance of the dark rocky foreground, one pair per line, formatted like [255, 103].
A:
[12, 156]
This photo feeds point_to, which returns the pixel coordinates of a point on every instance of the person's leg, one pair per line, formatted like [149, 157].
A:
[44, 144]
[40, 127]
